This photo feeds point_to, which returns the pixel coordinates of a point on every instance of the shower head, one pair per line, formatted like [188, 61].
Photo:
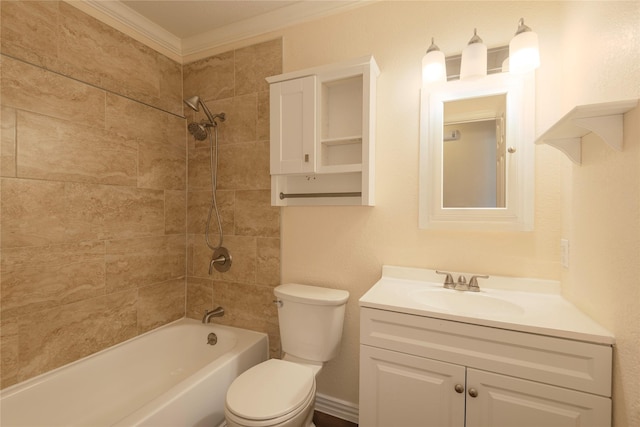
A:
[194, 102]
[198, 130]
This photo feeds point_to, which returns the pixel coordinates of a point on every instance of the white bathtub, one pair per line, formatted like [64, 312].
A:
[167, 377]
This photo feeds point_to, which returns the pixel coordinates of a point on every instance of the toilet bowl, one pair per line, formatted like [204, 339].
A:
[273, 393]
[281, 393]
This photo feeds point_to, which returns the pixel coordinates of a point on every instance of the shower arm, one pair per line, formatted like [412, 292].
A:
[207, 112]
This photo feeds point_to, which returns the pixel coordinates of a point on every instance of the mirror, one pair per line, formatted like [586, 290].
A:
[476, 154]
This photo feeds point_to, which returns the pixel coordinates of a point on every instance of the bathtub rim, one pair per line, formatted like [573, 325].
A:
[34, 381]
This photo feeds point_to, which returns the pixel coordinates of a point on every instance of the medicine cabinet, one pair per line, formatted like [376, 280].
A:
[476, 154]
[323, 135]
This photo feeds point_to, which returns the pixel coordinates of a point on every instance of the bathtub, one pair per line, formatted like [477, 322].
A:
[166, 377]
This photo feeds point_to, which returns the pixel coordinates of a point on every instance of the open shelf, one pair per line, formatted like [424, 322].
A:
[604, 119]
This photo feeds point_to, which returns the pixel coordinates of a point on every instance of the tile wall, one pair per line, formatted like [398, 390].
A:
[93, 188]
[234, 83]
[103, 197]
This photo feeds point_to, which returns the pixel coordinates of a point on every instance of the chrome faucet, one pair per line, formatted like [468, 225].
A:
[216, 312]
[461, 284]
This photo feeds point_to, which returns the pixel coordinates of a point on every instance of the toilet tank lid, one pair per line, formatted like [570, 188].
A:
[311, 294]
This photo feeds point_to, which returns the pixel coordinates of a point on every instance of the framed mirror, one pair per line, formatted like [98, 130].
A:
[476, 154]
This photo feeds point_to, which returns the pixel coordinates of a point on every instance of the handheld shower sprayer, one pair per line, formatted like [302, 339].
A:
[221, 259]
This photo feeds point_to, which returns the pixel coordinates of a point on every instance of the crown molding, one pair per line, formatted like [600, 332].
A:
[130, 22]
[133, 24]
[293, 14]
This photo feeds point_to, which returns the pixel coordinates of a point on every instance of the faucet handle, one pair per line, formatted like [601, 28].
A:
[473, 282]
[448, 280]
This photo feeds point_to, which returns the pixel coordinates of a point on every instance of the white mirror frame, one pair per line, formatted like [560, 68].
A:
[520, 135]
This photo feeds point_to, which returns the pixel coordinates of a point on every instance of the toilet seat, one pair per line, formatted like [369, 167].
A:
[271, 392]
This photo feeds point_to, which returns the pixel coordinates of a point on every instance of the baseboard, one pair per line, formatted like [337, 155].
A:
[337, 408]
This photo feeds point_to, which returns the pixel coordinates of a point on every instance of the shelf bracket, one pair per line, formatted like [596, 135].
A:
[571, 147]
[608, 128]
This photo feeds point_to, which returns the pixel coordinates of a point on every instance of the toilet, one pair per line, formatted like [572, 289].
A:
[281, 393]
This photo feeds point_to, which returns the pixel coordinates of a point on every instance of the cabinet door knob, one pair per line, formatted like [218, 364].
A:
[473, 392]
[459, 388]
[306, 158]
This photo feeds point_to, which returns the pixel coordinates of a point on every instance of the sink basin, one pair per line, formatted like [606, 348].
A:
[473, 303]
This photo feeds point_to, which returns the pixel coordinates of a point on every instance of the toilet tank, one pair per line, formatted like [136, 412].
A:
[311, 320]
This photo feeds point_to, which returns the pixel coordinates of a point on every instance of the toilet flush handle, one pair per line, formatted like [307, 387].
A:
[278, 302]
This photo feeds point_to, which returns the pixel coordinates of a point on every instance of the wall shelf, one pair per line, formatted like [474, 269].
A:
[604, 119]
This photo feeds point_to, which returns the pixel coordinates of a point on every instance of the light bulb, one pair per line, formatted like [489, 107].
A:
[474, 58]
[434, 69]
[524, 55]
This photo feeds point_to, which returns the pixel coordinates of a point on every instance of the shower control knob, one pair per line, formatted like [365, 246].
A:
[459, 388]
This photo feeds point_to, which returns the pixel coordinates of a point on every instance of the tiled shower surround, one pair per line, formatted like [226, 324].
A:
[104, 194]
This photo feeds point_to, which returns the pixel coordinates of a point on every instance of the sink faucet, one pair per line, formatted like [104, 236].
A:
[461, 284]
[216, 312]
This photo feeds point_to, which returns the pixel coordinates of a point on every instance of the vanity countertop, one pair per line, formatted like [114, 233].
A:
[525, 305]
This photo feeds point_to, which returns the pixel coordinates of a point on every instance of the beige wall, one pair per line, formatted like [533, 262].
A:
[234, 82]
[93, 188]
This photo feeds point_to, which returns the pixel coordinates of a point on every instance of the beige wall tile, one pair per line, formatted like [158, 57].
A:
[8, 352]
[170, 85]
[42, 277]
[162, 165]
[132, 119]
[43, 212]
[253, 64]
[113, 57]
[175, 213]
[254, 215]
[268, 262]
[199, 168]
[34, 89]
[29, 30]
[7, 142]
[241, 118]
[210, 78]
[264, 118]
[111, 212]
[160, 304]
[244, 167]
[60, 150]
[74, 331]
[199, 297]
[198, 206]
[140, 262]
[33, 212]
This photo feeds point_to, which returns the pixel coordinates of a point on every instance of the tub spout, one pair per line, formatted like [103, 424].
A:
[216, 312]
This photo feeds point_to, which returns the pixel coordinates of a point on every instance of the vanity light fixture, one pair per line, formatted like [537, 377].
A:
[524, 55]
[521, 56]
[434, 69]
[474, 58]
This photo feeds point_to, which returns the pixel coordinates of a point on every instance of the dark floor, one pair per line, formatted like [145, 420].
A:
[323, 420]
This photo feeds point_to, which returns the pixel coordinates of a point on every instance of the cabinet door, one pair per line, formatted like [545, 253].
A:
[292, 125]
[504, 401]
[400, 390]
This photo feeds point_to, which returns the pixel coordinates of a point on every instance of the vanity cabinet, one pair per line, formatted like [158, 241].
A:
[422, 371]
[322, 135]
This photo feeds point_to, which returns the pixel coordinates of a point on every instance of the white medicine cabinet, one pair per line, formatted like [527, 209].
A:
[322, 131]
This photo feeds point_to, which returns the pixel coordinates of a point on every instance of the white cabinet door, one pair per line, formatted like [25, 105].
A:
[293, 125]
[504, 401]
[400, 390]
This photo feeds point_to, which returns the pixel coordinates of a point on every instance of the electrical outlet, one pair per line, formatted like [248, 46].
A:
[564, 253]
